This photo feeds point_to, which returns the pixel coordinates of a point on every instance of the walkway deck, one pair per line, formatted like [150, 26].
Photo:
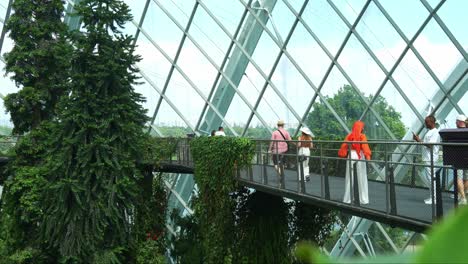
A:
[411, 211]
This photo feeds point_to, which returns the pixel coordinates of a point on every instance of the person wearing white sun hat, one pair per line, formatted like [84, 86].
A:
[304, 146]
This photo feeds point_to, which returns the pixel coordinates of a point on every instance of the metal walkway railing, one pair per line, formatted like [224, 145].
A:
[397, 186]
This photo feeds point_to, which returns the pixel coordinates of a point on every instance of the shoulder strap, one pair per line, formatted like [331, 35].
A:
[281, 134]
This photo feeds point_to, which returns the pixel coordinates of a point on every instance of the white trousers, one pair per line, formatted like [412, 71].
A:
[305, 164]
[361, 178]
[428, 178]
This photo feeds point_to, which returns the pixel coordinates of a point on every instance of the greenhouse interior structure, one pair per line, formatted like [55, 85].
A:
[174, 131]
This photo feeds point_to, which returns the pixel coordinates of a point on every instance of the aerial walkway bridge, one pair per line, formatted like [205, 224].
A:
[397, 186]
[397, 189]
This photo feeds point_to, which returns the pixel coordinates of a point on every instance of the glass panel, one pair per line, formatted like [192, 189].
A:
[251, 84]
[326, 24]
[282, 19]
[209, 36]
[409, 18]
[237, 115]
[152, 63]
[437, 50]
[136, 8]
[395, 100]
[360, 67]
[150, 94]
[185, 98]
[414, 80]
[265, 53]
[197, 67]
[275, 109]
[292, 86]
[308, 54]
[389, 115]
[463, 102]
[228, 13]
[323, 123]
[453, 14]
[170, 37]
[295, 5]
[350, 9]
[434, 3]
[380, 36]
[257, 130]
[169, 123]
[180, 9]
[334, 82]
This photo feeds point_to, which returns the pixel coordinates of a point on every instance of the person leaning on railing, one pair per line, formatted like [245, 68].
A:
[432, 136]
[359, 151]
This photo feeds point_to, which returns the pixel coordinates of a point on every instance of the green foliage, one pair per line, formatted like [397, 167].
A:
[37, 63]
[7, 143]
[188, 247]
[156, 149]
[312, 223]
[148, 253]
[93, 178]
[22, 208]
[174, 131]
[5, 131]
[215, 159]
[349, 106]
[150, 213]
[263, 230]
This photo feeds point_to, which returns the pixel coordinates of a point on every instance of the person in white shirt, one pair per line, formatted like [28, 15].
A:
[220, 132]
[432, 136]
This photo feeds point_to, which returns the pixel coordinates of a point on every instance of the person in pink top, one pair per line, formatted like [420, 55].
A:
[279, 147]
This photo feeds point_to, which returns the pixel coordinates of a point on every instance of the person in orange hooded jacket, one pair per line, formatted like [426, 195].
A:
[359, 151]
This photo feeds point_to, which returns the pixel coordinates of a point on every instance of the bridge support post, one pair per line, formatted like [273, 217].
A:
[413, 172]
[438, 199]
[455, 187]
[391, 179]
[326, 183]
[264, 174]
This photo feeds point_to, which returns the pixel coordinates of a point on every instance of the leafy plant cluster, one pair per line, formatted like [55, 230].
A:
[233, 224]
[72, 191]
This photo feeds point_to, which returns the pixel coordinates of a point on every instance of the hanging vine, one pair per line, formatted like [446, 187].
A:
[216, 159]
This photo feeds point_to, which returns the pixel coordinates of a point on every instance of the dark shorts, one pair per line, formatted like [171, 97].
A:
[278, 158]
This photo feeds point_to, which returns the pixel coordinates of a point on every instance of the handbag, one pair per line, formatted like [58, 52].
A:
[292, 148]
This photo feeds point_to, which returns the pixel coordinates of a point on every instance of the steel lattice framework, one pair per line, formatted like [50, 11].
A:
[247, 64]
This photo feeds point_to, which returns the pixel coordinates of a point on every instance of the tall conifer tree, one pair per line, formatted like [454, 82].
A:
[38, 64]
[93, 175]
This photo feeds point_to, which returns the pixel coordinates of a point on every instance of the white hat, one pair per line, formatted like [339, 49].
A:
[280, 122]
[461, 118]
[306, 130]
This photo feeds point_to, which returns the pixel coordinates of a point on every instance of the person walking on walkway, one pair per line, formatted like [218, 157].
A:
[432, 136]
[304, 145]
[359, 151]
[278, 148]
